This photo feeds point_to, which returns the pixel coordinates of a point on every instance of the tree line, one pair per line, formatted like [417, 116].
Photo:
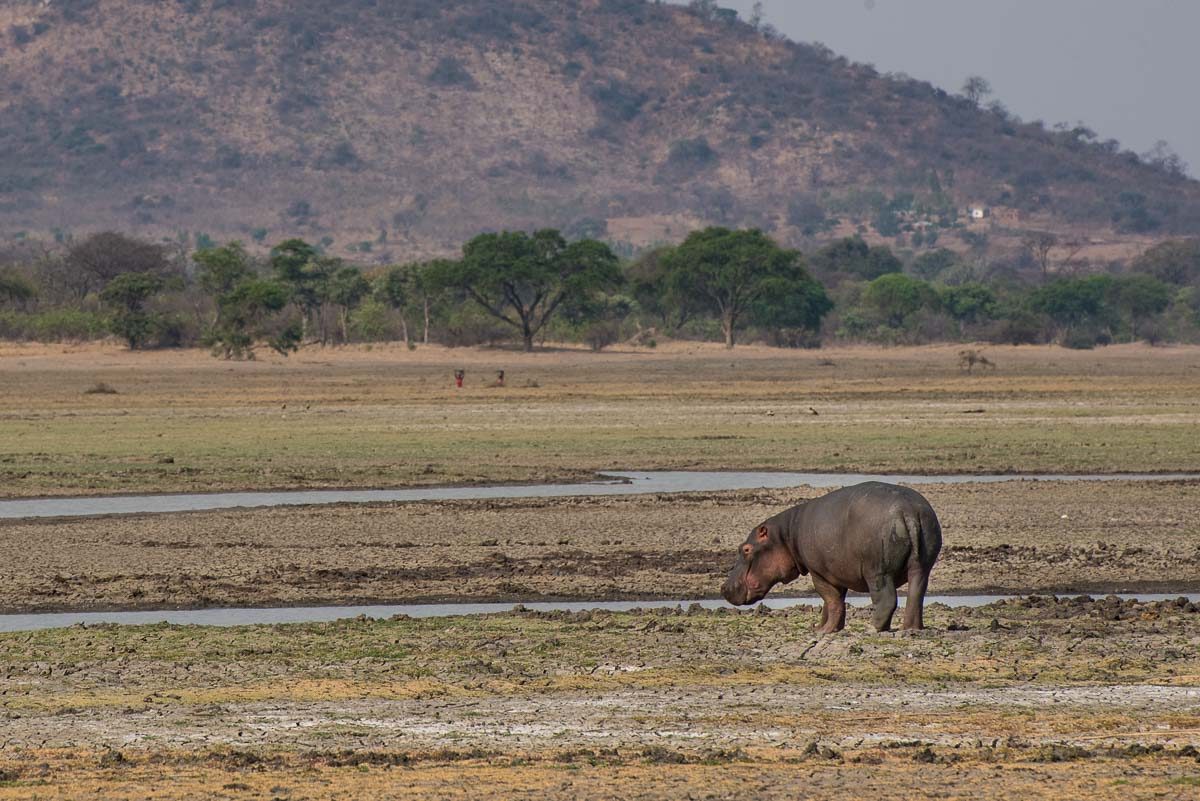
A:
[718, 284]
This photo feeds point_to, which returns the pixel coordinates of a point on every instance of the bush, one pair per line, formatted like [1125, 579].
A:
[468, 326]
[602, 333]
[1083, 338]
[374, 322]
[618, 101]
[692, 153]
[56, 325]
[67, 325]
[450, 72]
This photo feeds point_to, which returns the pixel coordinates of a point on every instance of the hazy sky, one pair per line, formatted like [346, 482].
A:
[1126, 68]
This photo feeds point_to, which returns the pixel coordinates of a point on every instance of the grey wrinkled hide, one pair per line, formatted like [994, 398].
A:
[870, 537]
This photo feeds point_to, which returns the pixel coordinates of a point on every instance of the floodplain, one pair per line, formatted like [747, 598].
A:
[1062, 693]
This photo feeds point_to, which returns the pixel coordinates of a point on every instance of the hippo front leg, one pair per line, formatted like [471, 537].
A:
[833, 613]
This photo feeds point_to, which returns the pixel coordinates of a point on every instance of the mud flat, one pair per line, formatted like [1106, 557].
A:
[1032, 698]
[1016, 537]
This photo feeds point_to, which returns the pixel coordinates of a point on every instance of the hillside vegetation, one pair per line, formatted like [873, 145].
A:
[394, 130]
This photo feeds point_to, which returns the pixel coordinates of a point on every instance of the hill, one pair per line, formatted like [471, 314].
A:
[398, 129]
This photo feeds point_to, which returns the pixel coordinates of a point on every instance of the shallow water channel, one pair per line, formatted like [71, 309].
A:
[614, 483]
[323, 614]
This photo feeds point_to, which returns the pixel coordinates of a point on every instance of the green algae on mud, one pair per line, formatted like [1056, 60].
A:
[1031, 641]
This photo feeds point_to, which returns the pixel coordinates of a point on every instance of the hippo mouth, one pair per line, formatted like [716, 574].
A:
[742, 595]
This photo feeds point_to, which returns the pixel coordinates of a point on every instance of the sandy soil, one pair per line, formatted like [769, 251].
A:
[1037, 698]
[1023, 536]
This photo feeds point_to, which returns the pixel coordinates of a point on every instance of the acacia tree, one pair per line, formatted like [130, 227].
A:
[729, 271]
[523, 279]
[246, 305]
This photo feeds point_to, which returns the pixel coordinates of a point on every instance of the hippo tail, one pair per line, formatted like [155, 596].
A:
[925, 534]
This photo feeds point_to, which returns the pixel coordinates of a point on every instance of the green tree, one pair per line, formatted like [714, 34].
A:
[649, 284]
[128, 295]
[727, 272]
[246, 305]
[852, 256]
[413, 284]
[523, 279]
[896, 297]
[301, 267]
[969, 303]
[245, 316]
[428, 290]
[219, 271]
[394, 290]
[1139, 298]
[1075, 303]
[929, 266]
[345, 288]
[15, 288]
[791, 306]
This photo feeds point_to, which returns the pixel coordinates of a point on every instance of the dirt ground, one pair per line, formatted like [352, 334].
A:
[1039, 698]
[1017, 537]
[385, 416]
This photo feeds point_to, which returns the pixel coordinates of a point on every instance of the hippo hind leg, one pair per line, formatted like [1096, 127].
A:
[914, 607]
[883, 597]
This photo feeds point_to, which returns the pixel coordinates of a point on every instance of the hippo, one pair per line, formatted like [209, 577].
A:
[870, 537]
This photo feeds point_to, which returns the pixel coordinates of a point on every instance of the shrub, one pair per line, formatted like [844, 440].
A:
[617, 101]
[692, 153]
[68, 325]
[450, 72]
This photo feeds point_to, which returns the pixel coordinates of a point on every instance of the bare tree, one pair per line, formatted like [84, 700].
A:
[1039, 244]
[92, 262]
[976, 89]
[1070, 262]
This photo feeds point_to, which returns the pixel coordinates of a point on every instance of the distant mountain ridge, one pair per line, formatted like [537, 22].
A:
[398, 129]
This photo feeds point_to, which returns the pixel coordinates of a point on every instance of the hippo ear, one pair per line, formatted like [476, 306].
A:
[763, 533]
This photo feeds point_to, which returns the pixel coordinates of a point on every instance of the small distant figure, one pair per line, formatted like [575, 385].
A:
[459, 375]
[967, 359]
[499, 382]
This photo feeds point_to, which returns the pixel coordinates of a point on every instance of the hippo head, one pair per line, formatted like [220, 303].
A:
[763, 561]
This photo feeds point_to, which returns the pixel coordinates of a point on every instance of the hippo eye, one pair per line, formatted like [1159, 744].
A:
[747, 551]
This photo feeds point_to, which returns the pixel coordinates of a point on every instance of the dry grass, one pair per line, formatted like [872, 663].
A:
[388, 417]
